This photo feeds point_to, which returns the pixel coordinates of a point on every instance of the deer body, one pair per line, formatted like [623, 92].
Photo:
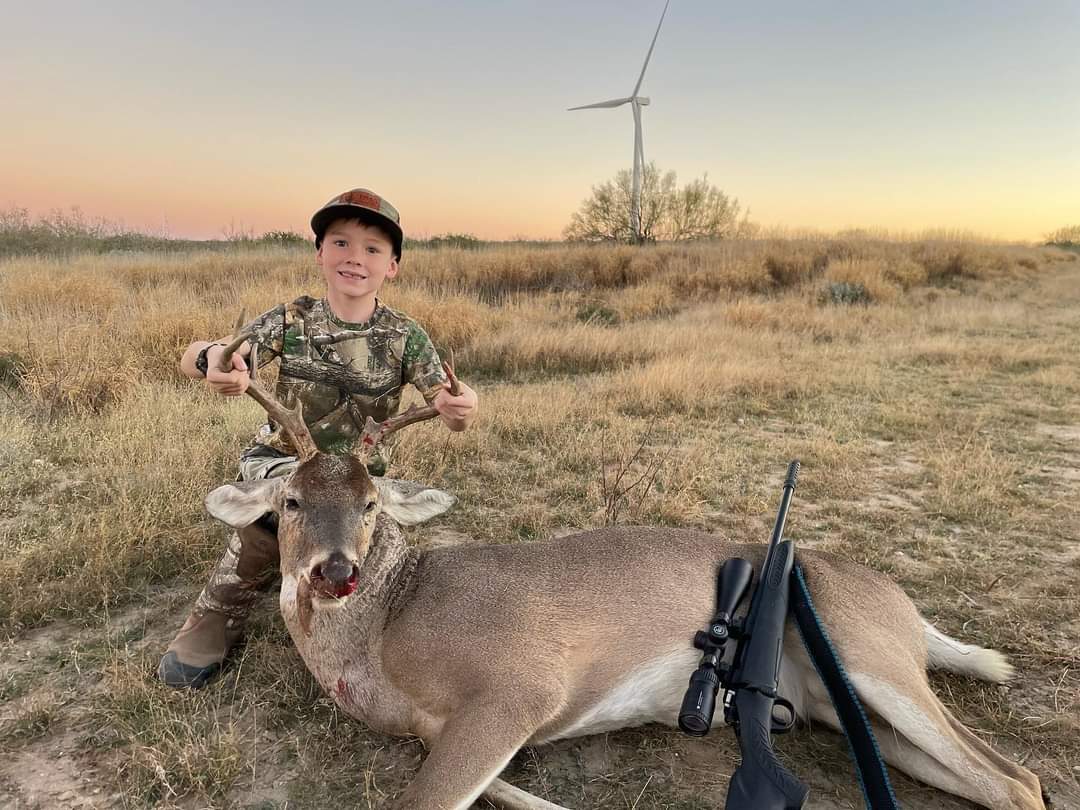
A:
[591, 633]
[479, 650]
[494, 600]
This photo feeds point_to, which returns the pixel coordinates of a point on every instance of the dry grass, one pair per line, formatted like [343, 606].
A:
[938, 421]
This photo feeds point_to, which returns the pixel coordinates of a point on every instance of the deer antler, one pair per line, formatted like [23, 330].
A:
[290, 420]
[374, 432]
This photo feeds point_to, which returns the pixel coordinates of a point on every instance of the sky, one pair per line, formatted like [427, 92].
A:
[195, 118]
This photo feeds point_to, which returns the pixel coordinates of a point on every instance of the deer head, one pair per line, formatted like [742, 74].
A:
[326, 508]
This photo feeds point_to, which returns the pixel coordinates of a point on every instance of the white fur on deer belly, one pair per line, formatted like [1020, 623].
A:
[652, 693]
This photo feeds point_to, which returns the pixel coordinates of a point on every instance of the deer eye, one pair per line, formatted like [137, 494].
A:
[292, 504]
[370, 506]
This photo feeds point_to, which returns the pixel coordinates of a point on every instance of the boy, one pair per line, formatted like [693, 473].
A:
[345, 357]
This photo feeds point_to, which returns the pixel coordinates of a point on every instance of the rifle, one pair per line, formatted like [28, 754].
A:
[760, 782]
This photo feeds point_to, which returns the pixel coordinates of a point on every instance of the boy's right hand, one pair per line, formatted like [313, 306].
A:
[227, 383]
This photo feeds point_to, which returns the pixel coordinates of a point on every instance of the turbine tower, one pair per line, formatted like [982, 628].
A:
[636, 102]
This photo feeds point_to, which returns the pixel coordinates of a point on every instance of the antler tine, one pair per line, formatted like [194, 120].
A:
[290, 420]
[374, 432]
[239, 336]
[448, 367]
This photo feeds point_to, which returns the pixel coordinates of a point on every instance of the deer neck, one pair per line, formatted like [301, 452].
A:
[349, 635]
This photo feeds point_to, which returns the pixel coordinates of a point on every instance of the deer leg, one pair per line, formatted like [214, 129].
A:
[471, 750]
[921, 738]
[1017, 772]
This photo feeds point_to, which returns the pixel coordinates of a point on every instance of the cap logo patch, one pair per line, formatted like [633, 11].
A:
[362, 198]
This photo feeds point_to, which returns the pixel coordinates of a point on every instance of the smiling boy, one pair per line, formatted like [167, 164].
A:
[345, 357]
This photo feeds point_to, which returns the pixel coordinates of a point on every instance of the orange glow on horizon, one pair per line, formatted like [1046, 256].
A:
[829, 121]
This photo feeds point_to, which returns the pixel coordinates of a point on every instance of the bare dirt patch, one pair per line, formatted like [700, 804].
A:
[54, 772]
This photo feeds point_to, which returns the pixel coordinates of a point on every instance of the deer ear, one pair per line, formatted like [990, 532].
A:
[410, 503]
[244, 502]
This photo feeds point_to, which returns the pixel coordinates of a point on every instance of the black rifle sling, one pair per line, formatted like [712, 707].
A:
[874, 779]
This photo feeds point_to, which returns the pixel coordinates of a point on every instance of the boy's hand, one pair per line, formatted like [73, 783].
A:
[458, 411]
[227, 383]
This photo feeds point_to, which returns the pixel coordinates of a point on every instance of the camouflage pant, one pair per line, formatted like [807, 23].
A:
[250, 562]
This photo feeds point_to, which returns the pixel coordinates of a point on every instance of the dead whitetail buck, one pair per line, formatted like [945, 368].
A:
[480, 650]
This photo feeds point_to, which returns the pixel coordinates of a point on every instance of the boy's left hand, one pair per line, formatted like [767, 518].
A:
[458, 411]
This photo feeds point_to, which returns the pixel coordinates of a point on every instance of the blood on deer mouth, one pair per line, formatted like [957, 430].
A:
[329, 588]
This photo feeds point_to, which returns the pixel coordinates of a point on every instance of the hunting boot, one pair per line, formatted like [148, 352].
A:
[248, 567]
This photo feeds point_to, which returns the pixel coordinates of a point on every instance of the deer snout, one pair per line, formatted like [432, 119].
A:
[335, 577]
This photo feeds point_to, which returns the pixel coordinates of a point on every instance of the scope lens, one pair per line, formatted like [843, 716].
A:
[693, 725]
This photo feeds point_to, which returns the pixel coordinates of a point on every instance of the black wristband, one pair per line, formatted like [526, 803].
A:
[201, 362]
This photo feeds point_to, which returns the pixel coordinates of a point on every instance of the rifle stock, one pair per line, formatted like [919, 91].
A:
[761, 782]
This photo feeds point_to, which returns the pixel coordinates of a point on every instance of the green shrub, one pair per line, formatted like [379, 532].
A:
[845, 292]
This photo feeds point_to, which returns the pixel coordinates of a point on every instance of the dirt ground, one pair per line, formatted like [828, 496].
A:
[83, 723]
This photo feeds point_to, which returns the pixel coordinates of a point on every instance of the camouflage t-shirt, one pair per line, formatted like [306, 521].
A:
[341, 372]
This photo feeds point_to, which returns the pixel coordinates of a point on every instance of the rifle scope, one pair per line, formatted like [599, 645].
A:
[699, 703]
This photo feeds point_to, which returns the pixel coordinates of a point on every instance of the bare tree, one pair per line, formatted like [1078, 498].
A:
[699, 210]
[605, 216]
[1069, 235]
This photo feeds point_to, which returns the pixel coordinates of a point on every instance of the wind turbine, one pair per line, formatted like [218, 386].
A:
[636, 102]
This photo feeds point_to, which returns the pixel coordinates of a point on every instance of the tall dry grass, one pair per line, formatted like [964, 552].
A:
[909, 376]
[560, 337]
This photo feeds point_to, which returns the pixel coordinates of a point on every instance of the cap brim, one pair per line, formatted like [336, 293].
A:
[324, 216]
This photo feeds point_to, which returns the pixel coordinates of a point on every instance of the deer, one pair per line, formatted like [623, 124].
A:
[479, 650]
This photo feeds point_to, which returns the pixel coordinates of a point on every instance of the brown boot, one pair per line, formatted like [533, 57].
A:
[199, 649]
[248, 567]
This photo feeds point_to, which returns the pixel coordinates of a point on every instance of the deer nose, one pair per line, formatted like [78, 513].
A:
[337, 575]
[336, 569]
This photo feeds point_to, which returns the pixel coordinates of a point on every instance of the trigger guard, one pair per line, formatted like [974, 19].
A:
[782, 726]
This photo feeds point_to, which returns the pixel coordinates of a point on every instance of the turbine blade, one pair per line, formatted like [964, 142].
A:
[641, 78]
[615, 102]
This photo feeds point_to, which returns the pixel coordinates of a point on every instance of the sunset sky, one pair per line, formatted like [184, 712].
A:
[192, 117]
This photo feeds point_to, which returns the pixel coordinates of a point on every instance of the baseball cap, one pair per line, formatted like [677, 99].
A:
[364, 205]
